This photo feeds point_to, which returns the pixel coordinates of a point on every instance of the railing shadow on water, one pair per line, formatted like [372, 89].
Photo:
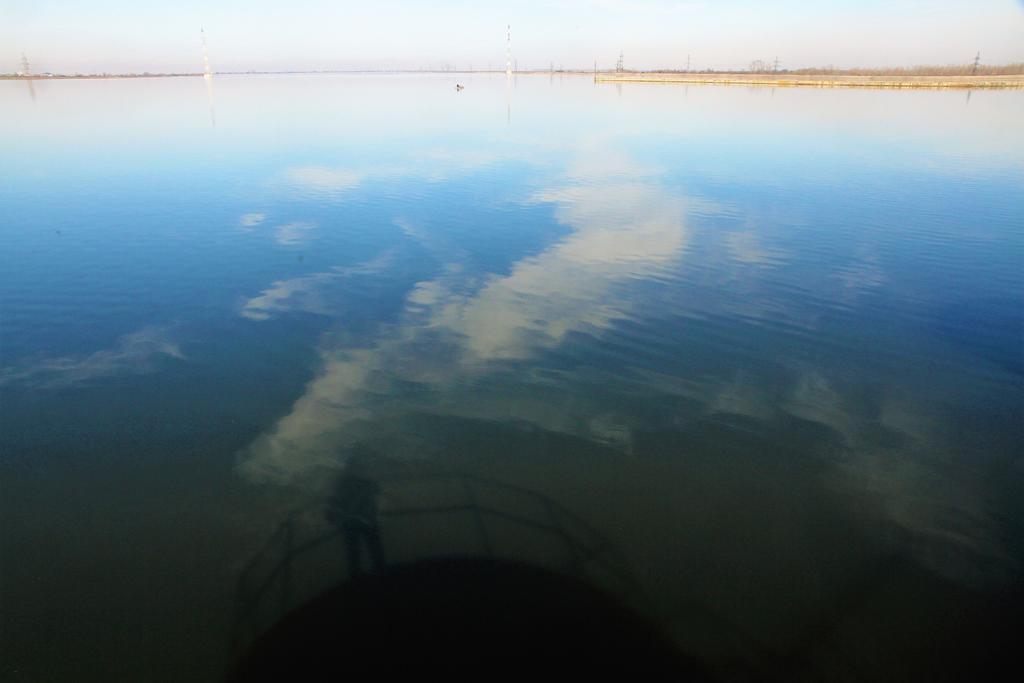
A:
[305, 556]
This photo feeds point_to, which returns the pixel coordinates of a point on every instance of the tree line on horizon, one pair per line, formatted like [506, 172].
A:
[762, 67]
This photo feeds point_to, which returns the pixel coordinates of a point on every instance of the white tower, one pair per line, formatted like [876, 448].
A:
[508, 52]
[207, 73]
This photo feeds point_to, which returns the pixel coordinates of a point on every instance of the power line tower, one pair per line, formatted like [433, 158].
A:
[775, 65]
[25, 69]
[619, 64]
[687, 63]
[508, 51]
[977, 60]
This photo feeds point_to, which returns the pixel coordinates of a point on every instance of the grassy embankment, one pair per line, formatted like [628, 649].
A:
[1006, 76]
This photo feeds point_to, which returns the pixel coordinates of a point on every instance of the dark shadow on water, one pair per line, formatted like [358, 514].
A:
[352, 509]
[475, 616]
[479, 603]
[476, 607]
[423, 501]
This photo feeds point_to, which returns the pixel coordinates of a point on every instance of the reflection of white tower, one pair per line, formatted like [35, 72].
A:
[208, 77]
[207, 74]
[26, 71]
[508, 52]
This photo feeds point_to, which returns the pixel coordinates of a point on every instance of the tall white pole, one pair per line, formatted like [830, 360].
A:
[207, 73]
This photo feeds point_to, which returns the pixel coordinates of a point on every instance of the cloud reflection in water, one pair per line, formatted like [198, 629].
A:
[620, 230]
[136, 352]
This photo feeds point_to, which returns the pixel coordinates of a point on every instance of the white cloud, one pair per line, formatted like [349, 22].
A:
[251, 220]
[619, 231]
[134, 353]
[433, 164]
[305, 293]
[293, 233]
[747, 247]
[309, 436]
[321, 180]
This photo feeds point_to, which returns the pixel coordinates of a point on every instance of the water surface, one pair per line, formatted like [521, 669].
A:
[768, 343]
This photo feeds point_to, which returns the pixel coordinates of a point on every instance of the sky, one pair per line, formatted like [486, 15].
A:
[68, 36]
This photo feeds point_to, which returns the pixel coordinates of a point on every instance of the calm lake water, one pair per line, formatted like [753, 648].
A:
[768, 344]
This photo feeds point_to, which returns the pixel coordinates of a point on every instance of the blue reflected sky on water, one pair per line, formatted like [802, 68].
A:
[791, 294]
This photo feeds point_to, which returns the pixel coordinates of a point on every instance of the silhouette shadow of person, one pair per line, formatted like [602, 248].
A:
[352, 508]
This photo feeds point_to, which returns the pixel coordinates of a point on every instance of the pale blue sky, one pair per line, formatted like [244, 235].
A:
[124, 35]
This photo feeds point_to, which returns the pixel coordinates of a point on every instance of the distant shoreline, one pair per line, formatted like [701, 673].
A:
[781, 80]
[97, 77]
[88, 77]
[398, 72]
[818, 80]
